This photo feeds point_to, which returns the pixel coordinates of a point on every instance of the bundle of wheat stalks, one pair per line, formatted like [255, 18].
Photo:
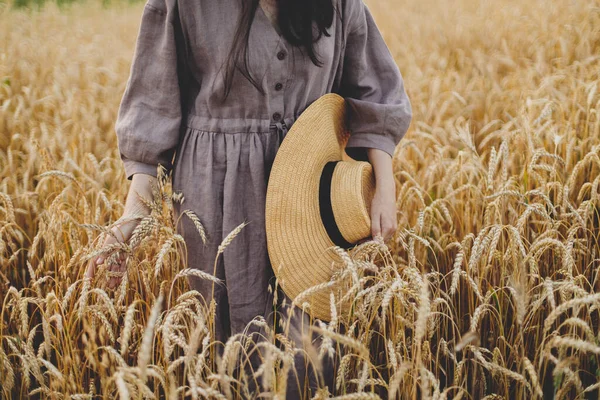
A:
[489, 290]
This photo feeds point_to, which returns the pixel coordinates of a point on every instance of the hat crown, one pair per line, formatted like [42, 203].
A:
[352, 189]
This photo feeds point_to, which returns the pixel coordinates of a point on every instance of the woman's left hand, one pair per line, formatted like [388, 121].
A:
[383, 205]
[383, 211]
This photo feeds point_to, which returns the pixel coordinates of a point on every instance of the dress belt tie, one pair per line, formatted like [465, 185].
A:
[282, 130]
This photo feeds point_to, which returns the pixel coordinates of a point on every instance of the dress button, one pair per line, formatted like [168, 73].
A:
[281, 55]
[276, 116]
[278, 86]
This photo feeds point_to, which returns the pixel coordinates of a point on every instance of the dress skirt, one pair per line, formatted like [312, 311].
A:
[223, 177]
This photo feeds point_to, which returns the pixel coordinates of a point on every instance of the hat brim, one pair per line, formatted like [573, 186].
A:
[300, 250]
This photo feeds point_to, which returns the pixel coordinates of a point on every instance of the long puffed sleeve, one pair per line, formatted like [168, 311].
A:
[379, 111]
[150, 113]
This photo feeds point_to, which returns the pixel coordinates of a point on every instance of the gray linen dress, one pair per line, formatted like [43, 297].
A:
[223, 152]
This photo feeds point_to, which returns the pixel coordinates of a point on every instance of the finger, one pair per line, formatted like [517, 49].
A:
[91, 269]
[389, 234]
[388, 230]
[385, 233]
[113, 268]
[394, 230]
[104, 256]
[121, 268]
[376, 224]
[92, 266]
[113, 282]
[116, 283]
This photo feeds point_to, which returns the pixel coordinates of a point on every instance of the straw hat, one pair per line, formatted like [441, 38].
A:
[317, 197]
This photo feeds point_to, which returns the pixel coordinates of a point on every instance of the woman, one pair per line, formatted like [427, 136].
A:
[218, 84]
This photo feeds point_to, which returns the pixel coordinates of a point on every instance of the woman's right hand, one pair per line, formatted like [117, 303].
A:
[141, 185]
[121, 233]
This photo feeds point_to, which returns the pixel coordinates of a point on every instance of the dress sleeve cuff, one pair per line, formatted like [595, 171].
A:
[135, 167]
[368, 140]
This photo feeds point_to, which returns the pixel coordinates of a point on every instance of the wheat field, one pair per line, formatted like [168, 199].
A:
[489, 289]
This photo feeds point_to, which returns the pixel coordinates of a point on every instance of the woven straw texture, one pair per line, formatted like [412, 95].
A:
[352, 187]
[300, 249]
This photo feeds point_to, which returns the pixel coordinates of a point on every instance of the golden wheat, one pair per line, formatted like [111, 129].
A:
[488, 290]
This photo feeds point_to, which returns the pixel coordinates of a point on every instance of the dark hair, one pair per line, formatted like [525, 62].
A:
[296, 19]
